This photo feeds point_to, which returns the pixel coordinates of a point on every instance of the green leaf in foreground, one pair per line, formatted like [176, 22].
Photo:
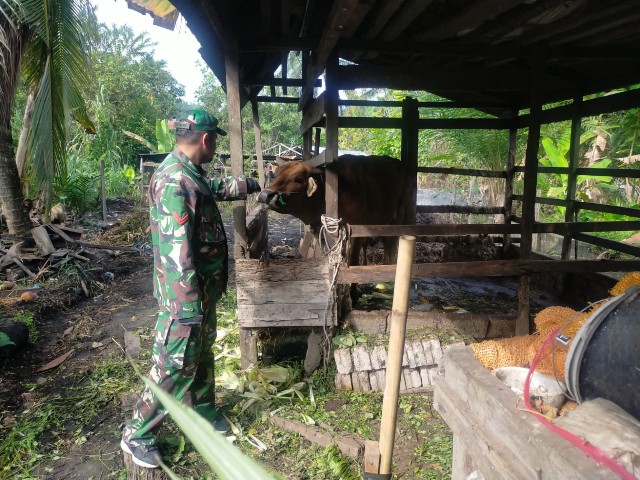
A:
[225, 459]
[5, 340]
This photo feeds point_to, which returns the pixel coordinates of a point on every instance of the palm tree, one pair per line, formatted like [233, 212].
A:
[13, 38]
[43, 36]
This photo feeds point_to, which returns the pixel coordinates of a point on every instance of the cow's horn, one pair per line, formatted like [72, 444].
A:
[312, 186]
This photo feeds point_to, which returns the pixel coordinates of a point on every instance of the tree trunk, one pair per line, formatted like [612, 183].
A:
[10, 192]
[21, 152]
[13, 206]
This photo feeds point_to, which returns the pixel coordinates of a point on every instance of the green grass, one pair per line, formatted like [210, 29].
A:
[42, 432]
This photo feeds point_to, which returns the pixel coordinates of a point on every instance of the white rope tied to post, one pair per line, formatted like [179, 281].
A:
[331, 230]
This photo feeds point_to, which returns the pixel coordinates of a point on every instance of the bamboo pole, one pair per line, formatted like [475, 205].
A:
[399, 313]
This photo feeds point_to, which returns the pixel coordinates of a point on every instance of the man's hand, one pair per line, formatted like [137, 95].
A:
[252, 185]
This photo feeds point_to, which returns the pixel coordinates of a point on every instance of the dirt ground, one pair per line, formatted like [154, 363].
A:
[92, 330]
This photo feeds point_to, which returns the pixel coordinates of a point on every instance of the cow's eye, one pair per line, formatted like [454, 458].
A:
[299, 180]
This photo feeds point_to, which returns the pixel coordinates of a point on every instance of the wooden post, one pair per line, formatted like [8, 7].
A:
[248, 348]
[316, 147]
[306, 145]
[508, 181]
[409, 155]
[258, 135]
[396, 349]
[572, 179]
[530, 184]
[331, 135]
[235, 142]
[103, 191]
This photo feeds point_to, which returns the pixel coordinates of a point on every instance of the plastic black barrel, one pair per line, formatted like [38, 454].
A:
[604, 357]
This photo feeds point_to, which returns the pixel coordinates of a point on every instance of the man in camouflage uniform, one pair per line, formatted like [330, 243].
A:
[190, 275]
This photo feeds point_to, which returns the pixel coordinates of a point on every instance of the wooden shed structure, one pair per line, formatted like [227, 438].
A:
[507, 58]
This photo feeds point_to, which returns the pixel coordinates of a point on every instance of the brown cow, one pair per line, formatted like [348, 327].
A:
[371, 191]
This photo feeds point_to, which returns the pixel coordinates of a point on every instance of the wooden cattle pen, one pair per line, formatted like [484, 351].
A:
[521, 63]
[507, 59]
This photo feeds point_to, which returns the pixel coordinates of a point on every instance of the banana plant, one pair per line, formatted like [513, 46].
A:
[164, 139]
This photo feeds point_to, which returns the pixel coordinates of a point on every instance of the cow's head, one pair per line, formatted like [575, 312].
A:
[298, 190]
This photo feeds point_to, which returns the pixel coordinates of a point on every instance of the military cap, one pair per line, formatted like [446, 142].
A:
[198, 120]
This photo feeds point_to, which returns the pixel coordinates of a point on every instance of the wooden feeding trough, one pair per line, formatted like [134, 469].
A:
[284, 293]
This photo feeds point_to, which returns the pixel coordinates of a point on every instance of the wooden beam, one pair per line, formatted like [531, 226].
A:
[317, 160]
[530, 184]
[606, 243]
[332, 137]
[258, 139]
[277, 82]
[467, 19]
[442, 80]
[492, 268]
[572, 178]
[596, 207]
[312, 113]
[339, 16]
[472, 209]
[508, 183]
[240, 249]
[432, 229]
[411, 9]
[428, 123]
[383, 13]
[463, 171]
[409, 155]
[588, 108]
[261, 99]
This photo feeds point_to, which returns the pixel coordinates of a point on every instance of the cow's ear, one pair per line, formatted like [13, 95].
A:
[312, 186]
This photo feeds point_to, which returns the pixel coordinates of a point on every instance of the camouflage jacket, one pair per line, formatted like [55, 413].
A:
[189, 241]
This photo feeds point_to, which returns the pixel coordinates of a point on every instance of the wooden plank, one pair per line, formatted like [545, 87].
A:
[459, 209]
[257, 232]
[494, 268]
[383, 13]
[371, 456]
[248, 271]
[312, 113]
[490, 409]
[316, 144]
[339, 16]
[308, 314]
[299, 291]
[463, 171]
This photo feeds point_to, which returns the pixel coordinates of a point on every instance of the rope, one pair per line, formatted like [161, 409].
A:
[331, 230]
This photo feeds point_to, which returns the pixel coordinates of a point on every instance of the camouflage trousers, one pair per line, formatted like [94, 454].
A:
[183, 366]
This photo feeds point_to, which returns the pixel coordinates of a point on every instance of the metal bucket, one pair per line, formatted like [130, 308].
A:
[604, 357]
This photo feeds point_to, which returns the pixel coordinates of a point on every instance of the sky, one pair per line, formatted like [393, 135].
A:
[178, 48]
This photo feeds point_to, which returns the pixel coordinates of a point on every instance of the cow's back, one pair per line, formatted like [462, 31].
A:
[373, 190]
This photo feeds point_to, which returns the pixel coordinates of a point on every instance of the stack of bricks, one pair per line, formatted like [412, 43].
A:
[363, 368]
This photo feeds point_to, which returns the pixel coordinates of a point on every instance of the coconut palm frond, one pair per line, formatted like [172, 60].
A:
[57, 58]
